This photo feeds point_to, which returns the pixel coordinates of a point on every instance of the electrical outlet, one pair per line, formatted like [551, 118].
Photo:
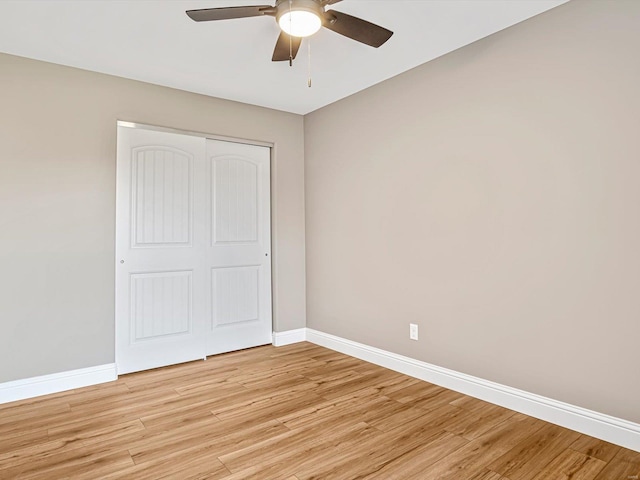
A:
[413, 331]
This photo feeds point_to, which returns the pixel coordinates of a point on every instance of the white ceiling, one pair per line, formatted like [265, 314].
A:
[154, 41]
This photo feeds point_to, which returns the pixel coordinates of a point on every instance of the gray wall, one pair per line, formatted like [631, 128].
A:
[493, 197]
[57, 205]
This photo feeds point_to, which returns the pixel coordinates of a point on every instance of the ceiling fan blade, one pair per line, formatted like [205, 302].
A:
[281, 52]
[356, 28]
[329, 2]
[226, 13]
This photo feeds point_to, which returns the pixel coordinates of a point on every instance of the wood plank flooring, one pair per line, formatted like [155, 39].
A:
[298, 412]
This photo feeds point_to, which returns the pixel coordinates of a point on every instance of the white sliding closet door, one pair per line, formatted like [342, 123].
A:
[240, 248]
[193, 271]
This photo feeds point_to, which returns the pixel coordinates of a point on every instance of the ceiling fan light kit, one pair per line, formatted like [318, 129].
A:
[300, 18]
[302, 21]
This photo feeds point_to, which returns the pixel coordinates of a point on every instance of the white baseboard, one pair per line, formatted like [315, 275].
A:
[56, 382]
[281, 339]
[605, 427]
[608, 428]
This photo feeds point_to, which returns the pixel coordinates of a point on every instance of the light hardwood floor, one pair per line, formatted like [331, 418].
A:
[292, 413]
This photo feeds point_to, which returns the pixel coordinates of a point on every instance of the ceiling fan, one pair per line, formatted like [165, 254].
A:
[298, 19]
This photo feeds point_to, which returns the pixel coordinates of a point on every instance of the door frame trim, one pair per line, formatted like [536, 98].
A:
[211, 136]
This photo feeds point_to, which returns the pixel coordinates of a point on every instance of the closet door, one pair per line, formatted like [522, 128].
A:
[161, 279]
[239, 255]
[193, 249]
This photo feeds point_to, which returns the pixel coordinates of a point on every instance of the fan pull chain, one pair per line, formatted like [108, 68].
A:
[290, 39]
[309, 58]
[290, 52]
